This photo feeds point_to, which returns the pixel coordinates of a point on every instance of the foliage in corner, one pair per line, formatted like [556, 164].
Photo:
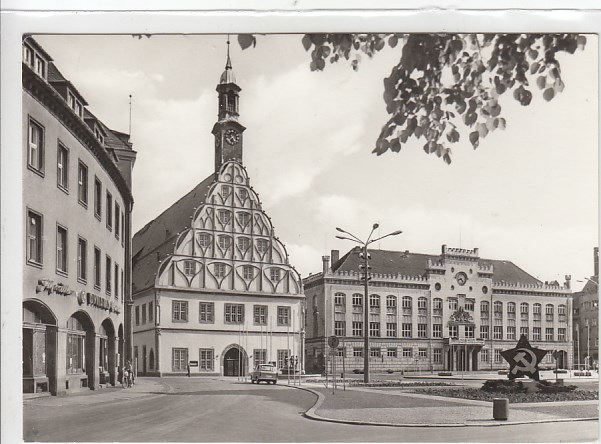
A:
[443, 82]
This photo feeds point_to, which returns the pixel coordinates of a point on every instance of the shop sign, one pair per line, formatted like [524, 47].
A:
[50, 287]
[103, 303]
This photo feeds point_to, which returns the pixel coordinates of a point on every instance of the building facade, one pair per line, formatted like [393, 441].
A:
[454, 311]
[77, 204]
[213, 288]
[586, 320]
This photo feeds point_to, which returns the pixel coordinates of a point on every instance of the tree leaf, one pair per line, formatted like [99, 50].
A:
[306, 41]
[475, 139]
[541, 82]
[246, 40]
[549, 94]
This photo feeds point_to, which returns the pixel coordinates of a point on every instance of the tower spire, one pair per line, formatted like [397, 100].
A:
[228, 63]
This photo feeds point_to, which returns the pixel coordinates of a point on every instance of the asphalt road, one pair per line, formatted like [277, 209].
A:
[212, 410]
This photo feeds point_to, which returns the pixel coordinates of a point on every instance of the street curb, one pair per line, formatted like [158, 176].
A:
[312, 414]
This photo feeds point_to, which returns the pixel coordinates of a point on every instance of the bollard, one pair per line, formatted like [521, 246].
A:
[500, 409]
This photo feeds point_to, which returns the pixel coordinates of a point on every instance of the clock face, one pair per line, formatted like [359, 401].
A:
[232, 136]
[461, 278]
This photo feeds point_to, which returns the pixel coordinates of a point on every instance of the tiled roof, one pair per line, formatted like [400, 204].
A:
[158, 235]
[590, 286]
[414, 264]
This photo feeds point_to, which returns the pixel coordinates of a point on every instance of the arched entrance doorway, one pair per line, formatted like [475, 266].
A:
[234, 361]
[39, 348]
[107, 359]
[81, 349]
[562, 359]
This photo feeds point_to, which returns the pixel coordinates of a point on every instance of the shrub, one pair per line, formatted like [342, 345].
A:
[550, 387]
[389, 371]
[503, 386]
[358, 371]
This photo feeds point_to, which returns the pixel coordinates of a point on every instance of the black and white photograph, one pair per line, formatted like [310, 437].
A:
[277, 231]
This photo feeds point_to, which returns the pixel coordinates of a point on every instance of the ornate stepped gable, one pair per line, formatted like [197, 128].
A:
[230, 244]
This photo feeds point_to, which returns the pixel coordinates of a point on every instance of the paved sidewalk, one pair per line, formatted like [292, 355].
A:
[143, 388]
[402, 408]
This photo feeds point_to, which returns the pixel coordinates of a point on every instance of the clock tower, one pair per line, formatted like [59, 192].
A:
[227, 130]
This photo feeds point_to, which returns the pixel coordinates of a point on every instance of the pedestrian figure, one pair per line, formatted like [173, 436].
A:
[188, 370]
[130, 374]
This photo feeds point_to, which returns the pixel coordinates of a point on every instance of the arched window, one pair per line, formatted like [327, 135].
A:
[422, 303]
[224, 241]
[407, 302]
[561, 312]
[243, 244]
[243, 219]
[262, 245]
[374, 301]
[224, 216]
[390, 301]
[204, 240]
[484, 306]
[437, 306]
[357, 300]
[549, 309]
[536, 311]
[498, 309]
[524, 307]
[340, 299]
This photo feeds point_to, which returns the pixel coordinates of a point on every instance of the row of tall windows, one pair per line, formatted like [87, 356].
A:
[220, 270]
[233, 313]
[114, 274]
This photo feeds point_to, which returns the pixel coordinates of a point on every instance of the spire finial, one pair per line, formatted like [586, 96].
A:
[228, 63]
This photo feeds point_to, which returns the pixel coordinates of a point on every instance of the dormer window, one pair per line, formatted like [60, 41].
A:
[40, 66]
[75, 104]
[28, 55]
[37, 63]
[98, 135]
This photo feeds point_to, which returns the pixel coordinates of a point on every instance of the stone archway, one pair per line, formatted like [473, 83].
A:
[107, 353]
[234, 361]
[39, 348]
[81, 357]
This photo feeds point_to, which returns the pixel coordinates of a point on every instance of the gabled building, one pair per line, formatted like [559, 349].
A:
[586, 320]
[77, 204]
[454, 311]
[212, 284]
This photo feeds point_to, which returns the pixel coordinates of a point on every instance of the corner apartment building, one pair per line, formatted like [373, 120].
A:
[586, 320]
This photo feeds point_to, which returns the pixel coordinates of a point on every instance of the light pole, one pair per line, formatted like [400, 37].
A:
[365, 267]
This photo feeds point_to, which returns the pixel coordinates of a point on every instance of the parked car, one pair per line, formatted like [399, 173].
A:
[264, 372]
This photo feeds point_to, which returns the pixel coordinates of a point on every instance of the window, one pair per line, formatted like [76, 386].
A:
[108, 274]
[219, 270]
[206, 312]
[274, 274]
[283, 356]
[224, 216]
[205, 361]
[248, 272]
[143, 313]
[137, 315]
[437, 355]
[204, 240]
[391, 329]
[226, 190]
[422, 352]
[150, 311]
[82, 184]
[75, 352]
[536, 333]
[374, 329]
[484, 308]
[484, 355]
[234, 313]
[484, 332]
[243, 219]
[422, 330]
[97, 267]
[224, 242]
[28, 55]
[109, 211]
[453, 304]
[82, 259]
[498, 308]
[40, 66]
[497, 332]
[34, 237]
[283, 315]
[407, 352]
[357, 352]
[122, 284]
[262, 245]
[243, 244]
[189, 268]
[453, 331]
[260, 314]
[357, 328]
[469, 304]
[117, 218]
[561, 334]
[548, 334]
[407, 304]
[97, 198]
[561, 311]
[422, 304]
[391, 352]
[260, 356]
[549, 311]
[469, 331]
[524, 311]
[391, 304]
[524, 331]
[437, 305]
[374, 301]
[62, 167]
[357, 300]
[179, 311]
[61, 249]
[536, 309]
[117, 280]
[510, 332]
[339, 299]
[340, 328]
[498, 359]
[35, 152]
[179, 361]
[437, 330]
[374, 352]
[406, 330]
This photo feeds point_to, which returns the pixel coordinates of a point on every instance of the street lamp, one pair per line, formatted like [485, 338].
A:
[365, 267]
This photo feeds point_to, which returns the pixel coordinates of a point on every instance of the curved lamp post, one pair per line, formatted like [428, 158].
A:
[365, 268]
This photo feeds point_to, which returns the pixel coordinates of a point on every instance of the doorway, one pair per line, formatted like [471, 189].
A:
[233, 362]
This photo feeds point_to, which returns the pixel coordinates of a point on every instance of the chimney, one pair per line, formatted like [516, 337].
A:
[568, 281]
[326, 264]
[596, 259]
[335, 256]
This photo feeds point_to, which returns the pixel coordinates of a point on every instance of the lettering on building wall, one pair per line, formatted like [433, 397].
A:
[82, 296]
[50, 287]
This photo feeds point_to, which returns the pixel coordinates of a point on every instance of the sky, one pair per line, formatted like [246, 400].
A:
[528, 194]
